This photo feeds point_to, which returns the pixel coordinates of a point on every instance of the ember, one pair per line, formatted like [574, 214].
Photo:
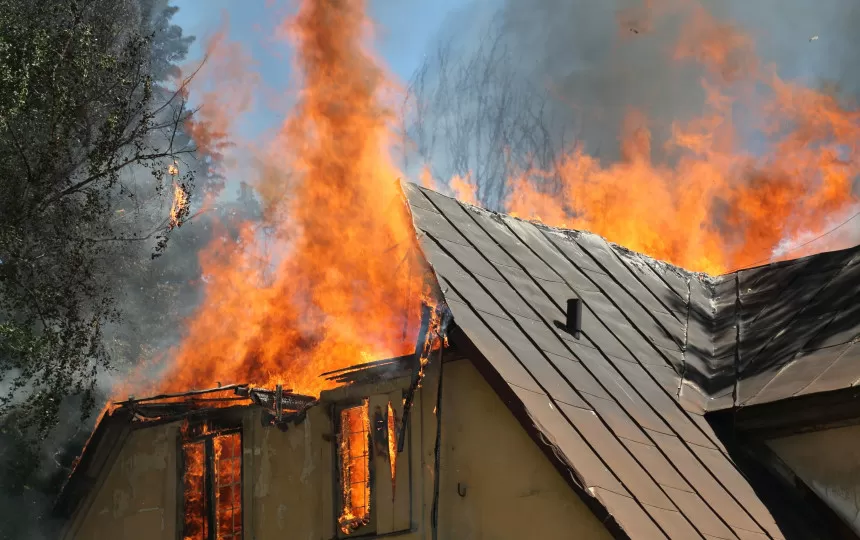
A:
[713, 206]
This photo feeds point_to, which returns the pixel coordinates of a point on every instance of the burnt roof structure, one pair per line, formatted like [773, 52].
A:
[621, 408]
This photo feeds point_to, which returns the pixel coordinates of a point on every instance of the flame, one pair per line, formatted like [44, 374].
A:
[194, 498]
[460, 187]
[392, 447]
[336, 274]
[464, 189]
[354, 443]
[426, 178]
[713, 205]
[179, 207]
[227, 487]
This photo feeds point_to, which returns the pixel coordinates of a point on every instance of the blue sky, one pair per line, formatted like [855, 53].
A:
[405, 30]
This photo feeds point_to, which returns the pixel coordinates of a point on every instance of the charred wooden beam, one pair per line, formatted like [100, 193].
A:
[370, 372]
[417, 371]
[330, 375]
[233, 387]
[211, 491]
[289, 401]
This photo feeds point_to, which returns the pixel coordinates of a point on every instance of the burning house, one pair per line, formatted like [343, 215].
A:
[565, 388]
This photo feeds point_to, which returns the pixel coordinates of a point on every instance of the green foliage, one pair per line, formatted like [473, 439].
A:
[79, 109]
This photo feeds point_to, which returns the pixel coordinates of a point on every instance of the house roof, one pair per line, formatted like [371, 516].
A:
[623, 405]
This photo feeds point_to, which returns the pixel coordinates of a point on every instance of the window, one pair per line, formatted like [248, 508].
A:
[373, 485]
[212, 487]
[355, 474]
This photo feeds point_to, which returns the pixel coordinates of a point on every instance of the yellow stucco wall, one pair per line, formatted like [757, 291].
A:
[828, 462]
[137, 499]
[283, 484]
[509, 488]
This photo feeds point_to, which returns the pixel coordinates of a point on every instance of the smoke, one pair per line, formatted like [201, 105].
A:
[539, 78]
[600, 59]
[26, 500]
[153, 294]
[597, 60]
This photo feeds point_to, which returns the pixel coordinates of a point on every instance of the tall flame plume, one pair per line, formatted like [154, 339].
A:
[336, 277]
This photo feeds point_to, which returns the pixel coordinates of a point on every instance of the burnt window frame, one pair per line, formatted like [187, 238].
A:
[337, 481]
[206, 434]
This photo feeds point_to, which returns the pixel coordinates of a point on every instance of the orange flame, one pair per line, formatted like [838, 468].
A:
[460, 187]
[228, 485]
[336, 277]
[179, 207]
[392, 446]
[355, 467]
[194, 498]
[713, 206]
[464, 189]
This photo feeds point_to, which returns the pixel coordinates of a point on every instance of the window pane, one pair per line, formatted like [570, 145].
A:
[354, 448]
[228, 488]
[194, 522]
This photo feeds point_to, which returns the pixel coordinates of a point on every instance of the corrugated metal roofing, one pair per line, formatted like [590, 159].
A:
[624, 403]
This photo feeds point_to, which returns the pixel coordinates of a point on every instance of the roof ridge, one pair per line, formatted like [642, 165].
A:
[668, 265]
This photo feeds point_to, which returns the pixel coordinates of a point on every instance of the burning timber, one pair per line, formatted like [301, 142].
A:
[171, 407]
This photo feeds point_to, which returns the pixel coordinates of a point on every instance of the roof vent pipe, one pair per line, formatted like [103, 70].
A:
[574, 317]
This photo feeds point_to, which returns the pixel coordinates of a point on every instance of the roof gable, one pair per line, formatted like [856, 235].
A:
[623, 405]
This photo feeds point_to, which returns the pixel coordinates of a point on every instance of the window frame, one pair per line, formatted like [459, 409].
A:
[390, 518]
[370, 528]
[192, 435]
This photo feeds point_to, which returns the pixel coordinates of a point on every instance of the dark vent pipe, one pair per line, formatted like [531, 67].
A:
[574, 317]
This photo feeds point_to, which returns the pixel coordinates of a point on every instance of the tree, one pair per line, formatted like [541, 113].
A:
[89, 128]
[468, 113]
[80, 115]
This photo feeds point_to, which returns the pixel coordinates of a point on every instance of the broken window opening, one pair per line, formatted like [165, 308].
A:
[212, 494]
[392, 447]
[355, 473]
[194, 492]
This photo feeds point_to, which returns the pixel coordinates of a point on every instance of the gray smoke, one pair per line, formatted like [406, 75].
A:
[586, 63]
[598, 63]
